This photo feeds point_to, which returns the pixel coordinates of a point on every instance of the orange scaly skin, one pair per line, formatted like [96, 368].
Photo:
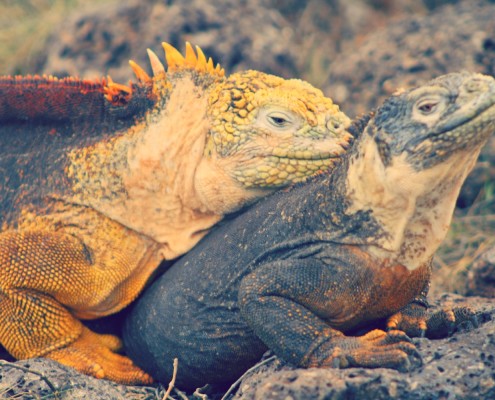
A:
[100, 182]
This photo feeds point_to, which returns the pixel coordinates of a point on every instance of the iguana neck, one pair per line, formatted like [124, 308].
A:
[412, 209]
[149, 186]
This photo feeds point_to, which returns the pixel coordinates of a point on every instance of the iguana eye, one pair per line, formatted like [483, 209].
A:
[427, 107]
[430, 106]
[279, 120]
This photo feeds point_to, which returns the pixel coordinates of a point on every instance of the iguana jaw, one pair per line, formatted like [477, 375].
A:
[260, 167]
[410, 178]
[265, 165]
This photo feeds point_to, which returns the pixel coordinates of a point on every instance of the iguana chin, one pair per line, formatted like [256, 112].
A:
[102, 181]
[303, 271]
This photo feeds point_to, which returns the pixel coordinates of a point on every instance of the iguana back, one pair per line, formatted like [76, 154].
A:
[41, 120]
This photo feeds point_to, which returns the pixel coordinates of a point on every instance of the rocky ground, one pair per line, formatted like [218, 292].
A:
[358, 52]
[459, 367]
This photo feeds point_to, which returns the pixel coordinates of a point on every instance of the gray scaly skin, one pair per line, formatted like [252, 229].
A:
[302, 270]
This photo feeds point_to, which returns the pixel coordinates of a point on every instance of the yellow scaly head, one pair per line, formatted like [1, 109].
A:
[269, 132]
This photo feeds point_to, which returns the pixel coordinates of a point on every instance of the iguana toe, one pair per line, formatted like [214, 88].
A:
[92, 354]
[411, 319]
[112, 342]
[445, 322]
[376, 349]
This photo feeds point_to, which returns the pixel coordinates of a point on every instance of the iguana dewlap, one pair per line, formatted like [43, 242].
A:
[101, 182]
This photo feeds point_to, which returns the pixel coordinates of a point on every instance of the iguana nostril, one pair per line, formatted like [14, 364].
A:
[333, 125]
[477, 85]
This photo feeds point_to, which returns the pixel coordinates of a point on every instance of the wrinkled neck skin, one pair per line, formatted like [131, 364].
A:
[155, 176]
[218, 191]
[413, 208]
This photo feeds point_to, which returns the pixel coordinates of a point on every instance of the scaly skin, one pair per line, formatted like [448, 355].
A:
[306, 270]
[102, 182]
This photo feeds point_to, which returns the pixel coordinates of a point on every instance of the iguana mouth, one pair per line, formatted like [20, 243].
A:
[309, 155]
[453, 124]
[314, 157]
[277, 170]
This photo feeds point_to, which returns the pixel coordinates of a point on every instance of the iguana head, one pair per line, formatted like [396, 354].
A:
[412, 158]
[423, 141]
[451, 114]
[264, 132]
[269, 132]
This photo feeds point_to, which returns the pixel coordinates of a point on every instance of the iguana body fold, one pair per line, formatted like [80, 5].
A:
[103, 181]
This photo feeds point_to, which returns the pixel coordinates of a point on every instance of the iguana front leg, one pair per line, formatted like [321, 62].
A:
[46, 278]
[297, 306]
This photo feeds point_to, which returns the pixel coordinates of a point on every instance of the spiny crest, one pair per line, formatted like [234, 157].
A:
[116, 93]
[52, 81]
[192, 60]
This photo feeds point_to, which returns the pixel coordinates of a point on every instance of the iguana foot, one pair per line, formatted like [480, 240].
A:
[376, 349]
[93, 354]
[445, 322]
[411, 319]
[415, 322]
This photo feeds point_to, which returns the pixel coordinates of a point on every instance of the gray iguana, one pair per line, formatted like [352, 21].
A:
[302, 271]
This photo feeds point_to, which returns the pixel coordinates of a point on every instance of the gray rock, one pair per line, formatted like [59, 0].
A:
[480, 277]
[100, 40]
[46, 379]
[459, 367]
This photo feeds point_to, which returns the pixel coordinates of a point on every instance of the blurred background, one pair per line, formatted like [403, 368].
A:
[357, 51]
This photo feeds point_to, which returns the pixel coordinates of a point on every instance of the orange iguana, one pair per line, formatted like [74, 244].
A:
[100, 182]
